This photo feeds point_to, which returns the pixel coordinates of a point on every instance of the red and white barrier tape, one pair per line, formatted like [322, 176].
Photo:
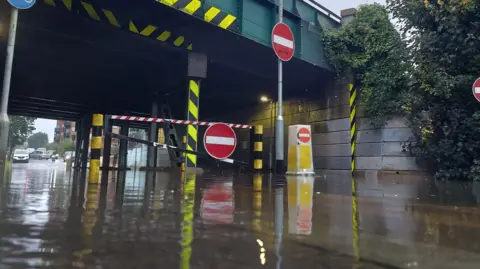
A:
[184, 122]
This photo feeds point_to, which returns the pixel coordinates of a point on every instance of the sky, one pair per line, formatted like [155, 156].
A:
[337, 5]
[48, 126]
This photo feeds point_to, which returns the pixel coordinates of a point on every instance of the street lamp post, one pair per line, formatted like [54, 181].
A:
[4, 121]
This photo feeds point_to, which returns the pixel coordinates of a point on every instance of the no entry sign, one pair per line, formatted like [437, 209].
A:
[283, 42]
[476, 89]
[220, 141]
[304, 135]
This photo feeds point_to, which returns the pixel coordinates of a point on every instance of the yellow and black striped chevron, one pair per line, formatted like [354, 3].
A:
[192, 130]
[208, 13]
[353, 125]
[156, 32]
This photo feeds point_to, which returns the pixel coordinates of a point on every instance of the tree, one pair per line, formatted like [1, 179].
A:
[38, 140]
[371, 50]
[443, 43]
[20, 129]
[66, 145]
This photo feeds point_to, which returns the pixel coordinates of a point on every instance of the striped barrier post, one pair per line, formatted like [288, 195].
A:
[95, 149]
[258, 149]
[353, 106]
[192, 115]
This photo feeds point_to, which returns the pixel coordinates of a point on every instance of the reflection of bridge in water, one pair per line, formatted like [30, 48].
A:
[156, 220]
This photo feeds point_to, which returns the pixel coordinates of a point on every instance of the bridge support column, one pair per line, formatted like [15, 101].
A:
[123, 147]
[78, 143]
[152, 136]
[86, 122]
[197, 70]
[107, 146]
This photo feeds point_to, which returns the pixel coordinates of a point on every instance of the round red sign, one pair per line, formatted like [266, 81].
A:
[304, 135]
[283, 42]
[476, 89]
[220, 141]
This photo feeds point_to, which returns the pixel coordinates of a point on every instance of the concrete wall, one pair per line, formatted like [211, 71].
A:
[327, 111]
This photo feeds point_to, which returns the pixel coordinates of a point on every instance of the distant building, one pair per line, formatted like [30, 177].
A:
[64, 130]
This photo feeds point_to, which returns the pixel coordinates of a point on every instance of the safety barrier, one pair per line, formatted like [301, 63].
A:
[183, 122]
[255, 160]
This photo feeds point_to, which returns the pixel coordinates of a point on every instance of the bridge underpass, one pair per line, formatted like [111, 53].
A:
[82, 66]
[110, 70]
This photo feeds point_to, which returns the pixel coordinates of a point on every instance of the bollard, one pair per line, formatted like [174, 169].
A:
[95, 149]
[300, 159]
[258, 149]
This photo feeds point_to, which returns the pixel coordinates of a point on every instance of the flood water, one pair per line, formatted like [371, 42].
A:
[160, 220]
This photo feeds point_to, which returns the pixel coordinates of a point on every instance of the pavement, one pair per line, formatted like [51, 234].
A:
[49, 218]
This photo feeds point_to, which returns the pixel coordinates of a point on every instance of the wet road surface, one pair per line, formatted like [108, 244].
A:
[158, 220]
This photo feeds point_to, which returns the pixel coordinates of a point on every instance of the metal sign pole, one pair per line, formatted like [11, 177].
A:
[280, 125]
[4, 122]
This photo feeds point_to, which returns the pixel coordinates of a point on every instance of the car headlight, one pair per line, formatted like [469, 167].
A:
[68, 157]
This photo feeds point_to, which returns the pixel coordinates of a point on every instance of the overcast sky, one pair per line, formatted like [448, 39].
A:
[337, 5]
[48, 126]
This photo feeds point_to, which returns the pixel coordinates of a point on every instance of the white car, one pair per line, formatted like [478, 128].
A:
[20, 155]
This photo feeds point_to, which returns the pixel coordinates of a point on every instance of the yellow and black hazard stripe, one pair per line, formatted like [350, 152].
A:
[192, 115]
[95, 149]
[212, 14]
[258, 148]
[191, 7]
[187, 224]
[105, 15]
[221, 18]
[353, 107]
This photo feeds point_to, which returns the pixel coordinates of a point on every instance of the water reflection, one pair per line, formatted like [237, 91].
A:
[279, 210]
[300, 201]
[188, 219]
[218, 204]
[51, 218]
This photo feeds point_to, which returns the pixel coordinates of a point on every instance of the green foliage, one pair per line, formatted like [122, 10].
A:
[20, 129]
[38, 140]
[444, 44]
[53, 146]
[60, 149]
[371, 48]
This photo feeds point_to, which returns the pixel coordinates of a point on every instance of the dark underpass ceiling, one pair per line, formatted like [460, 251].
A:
[64, 70]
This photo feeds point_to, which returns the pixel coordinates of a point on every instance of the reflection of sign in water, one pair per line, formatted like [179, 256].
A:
[300, 191]
[217, 203]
